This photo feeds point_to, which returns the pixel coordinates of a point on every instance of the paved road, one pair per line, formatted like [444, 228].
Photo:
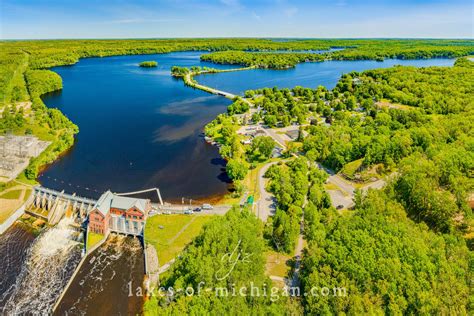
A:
[339, 198]
[180, 208]
[228, 95]
[267, 204]
[277, 138]
[166, 266]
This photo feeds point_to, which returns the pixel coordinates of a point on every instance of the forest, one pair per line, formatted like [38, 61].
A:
[369, 50]
[18, 56]
[403, 249]
[204, 266]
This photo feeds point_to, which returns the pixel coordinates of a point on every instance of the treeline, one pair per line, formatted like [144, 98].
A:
[386, 263]
[42, 81]
[148, 64]
[226, 257]
[16, 55]
[59, 129]
[240, 157]
[260, 59]
[13, 64]
[294, 185]
[440, 90]
[405, 50]
[364, 51]
[401, 250]
[183, 71]
[13, 118]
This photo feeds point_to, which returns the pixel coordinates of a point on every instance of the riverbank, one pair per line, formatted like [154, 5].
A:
[70, 52]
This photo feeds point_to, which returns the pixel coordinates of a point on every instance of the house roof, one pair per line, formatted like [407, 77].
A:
[126, 203]
[108, 200]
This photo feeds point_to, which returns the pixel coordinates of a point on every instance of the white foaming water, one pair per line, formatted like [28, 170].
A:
[50, 263]
[107, 272]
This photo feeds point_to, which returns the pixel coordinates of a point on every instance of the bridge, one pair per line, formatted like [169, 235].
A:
[52, 205]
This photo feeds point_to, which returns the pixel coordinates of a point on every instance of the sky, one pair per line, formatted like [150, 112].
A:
[41, 19]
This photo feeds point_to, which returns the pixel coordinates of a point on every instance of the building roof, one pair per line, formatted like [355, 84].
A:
[108, 200]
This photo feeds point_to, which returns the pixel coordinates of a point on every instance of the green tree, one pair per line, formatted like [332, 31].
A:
[236, 169]
[261, 148]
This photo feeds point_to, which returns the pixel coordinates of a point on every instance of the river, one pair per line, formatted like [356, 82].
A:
[141, 128]
[35, 271]
[102, 285]
[306, 74]
[14, 245]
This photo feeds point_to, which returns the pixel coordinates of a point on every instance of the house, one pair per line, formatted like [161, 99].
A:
[119, 214]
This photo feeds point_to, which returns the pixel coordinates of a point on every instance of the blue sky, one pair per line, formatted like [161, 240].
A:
[35, 19]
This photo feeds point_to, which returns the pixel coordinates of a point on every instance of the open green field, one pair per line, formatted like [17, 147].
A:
[11, 198]
[93, 239]
[277, 263]
[177, 231]
[11, 195]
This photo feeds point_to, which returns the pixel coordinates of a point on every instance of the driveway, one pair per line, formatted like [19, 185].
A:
[266, 206]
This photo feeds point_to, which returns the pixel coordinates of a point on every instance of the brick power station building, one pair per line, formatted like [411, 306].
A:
[120, 214]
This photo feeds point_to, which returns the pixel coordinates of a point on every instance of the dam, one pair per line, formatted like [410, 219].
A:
[49, 267]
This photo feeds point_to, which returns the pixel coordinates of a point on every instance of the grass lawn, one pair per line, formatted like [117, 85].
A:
[276, 263]
[11, 195]
[178, 231]
[93, 239]
[21, 178]
[10, 199]
[251, 182]
[5, 213]
[351, 172]
[351, 168]
[331, 186]
[384, 103]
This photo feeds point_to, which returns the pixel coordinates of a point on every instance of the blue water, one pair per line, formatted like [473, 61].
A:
[142, 128]
[139, 128]
[308, 75]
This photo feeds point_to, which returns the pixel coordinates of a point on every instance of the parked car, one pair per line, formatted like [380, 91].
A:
[188, 212]
[207, 207]
[197, 209]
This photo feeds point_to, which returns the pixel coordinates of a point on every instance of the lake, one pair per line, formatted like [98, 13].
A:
[141, 128]
[308, 75]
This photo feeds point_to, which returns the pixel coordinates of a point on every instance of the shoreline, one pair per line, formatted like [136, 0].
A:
[188, 80]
